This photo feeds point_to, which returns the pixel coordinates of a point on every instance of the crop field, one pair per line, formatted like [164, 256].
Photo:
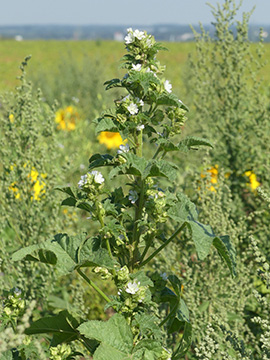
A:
[47, 55]
[135, 197]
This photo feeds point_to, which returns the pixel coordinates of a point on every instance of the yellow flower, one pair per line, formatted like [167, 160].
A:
[38, 186]
[15, 190]
[11, 118]
[253, 182]
[213, 171]
[67, 118]
[112, 140]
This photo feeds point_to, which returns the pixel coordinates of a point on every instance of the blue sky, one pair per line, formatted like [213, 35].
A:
[126, 12]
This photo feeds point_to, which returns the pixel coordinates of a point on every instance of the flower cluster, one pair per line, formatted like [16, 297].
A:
[14, 305]
[112, 140]
[130, 290]
[156, 204]
[67, 118]
[60, 352]
[213, 172]
[36, 182]
[91, 183]
[253, 182]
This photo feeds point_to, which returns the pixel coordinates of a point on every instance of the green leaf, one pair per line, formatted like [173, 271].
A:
[148, 325]
[185, 343]
[170, 99]
[112, 83]
[105, 124]
[70, 252]
[62, 325]
[226, 251]
[138, 166]
[99, 160]
[144, 80]
[7, 355]
[115, 337]
[76, 198]
[191, 142]
[184, 212]
[147, 349]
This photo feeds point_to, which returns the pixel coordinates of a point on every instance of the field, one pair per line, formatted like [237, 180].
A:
[160, 249]
[47, 55]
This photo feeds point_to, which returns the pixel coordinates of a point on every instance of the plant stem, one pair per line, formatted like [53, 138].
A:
[157, 152]
[91, 283]
[168, 316]
[163, 245]
[100, 218]
[138, 214]
[146, 248]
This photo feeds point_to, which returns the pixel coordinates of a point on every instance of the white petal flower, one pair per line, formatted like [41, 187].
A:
[141, 103]
[133, 109]
[82, 181]
[130, 36]
[132, 287]
[138, 34]
[125, 98]
[140, 127]
[168, 86]
[123, 149]
[98, 178]
[133, 196]
[137, 67]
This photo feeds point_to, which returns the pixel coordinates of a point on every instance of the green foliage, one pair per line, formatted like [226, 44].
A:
[132, 225]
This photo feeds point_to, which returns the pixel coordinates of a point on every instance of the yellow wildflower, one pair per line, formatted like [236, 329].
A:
[67, 118]
[253, 182]
[213, 171]
[112, 140]
[38, 186]
[11, 118]
[15, 190]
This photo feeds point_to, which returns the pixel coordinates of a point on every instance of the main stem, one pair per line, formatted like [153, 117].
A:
[100, 218]
[138, 212]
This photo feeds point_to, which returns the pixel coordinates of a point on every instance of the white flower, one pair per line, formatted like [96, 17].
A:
[140, 127]
[98, 178]
[138, 34]
[168, 86]
[133, 109]
[82, 181]
[125, 98]
[133, 196]
[123, 149]
[132, 287]
[140, 102]
[130, 36]
[137, 67]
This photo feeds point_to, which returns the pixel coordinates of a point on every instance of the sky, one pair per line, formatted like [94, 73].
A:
[119, 12]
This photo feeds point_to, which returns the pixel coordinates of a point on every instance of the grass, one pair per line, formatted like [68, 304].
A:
[48, 54]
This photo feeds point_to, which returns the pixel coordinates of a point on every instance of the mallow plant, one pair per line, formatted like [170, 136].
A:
[134, 222]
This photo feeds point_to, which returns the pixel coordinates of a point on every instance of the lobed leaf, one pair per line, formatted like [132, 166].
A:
[69, 253]
[115, 337]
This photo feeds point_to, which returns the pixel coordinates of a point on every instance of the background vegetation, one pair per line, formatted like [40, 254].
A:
[225, 84]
